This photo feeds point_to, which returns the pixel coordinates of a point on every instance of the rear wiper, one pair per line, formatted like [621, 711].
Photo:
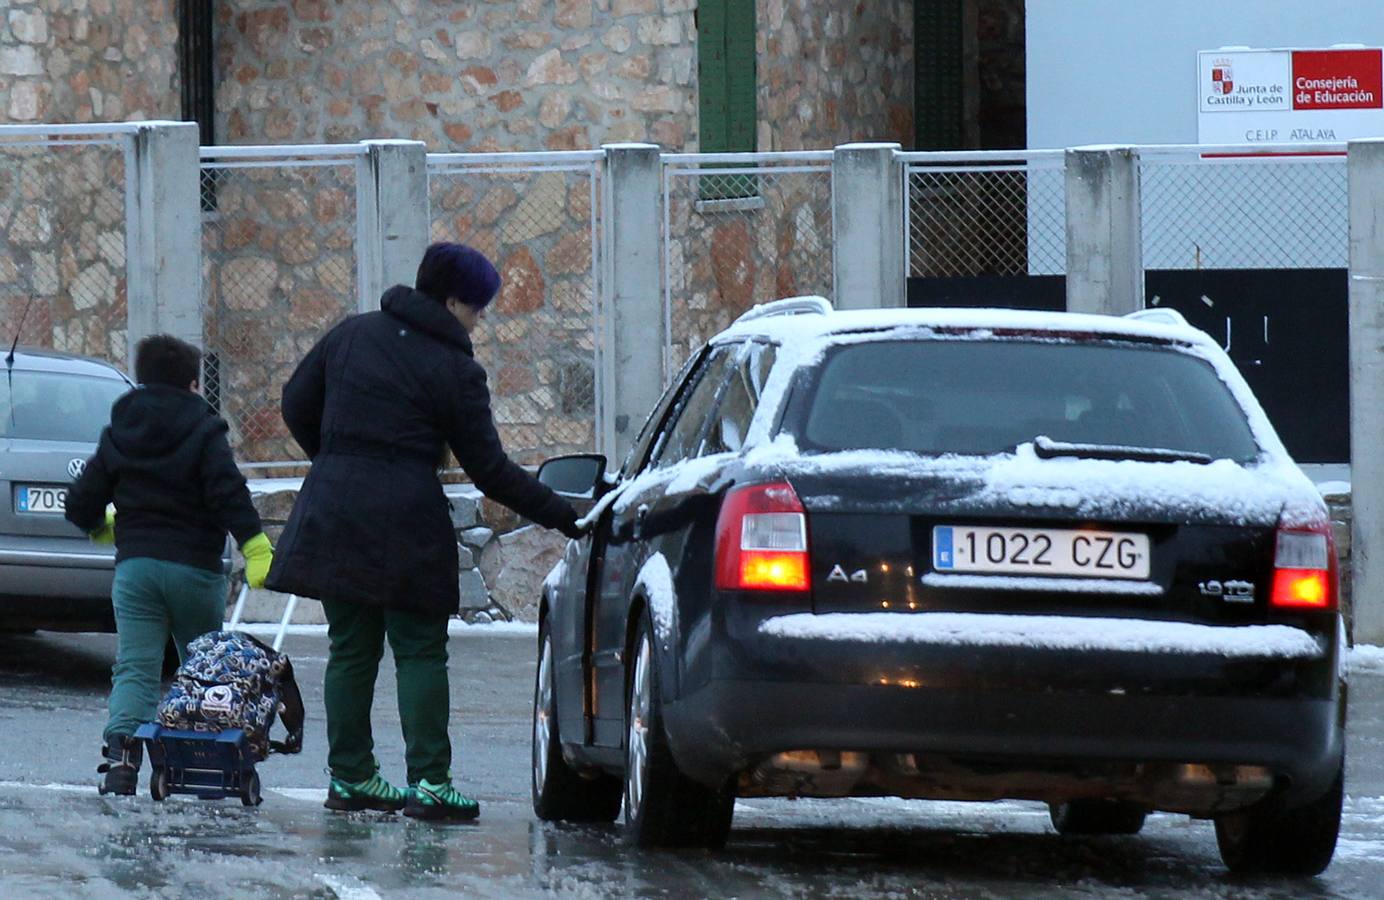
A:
[1046, 448]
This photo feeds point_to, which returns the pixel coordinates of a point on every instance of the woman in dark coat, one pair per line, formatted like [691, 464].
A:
[374, 404]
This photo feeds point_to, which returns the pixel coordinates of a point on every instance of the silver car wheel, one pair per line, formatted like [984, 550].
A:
[542, 715]
[637, 758]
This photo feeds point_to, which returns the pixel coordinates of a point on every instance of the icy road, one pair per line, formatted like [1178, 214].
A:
[59, 838]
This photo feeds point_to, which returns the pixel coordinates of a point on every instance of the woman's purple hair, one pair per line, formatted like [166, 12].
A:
[456, 270]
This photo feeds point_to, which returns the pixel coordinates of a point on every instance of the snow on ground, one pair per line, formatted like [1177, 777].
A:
[1365, 658]
[1047, 632]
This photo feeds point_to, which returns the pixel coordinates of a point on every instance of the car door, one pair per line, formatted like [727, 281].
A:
[629, 533]
[574, 601]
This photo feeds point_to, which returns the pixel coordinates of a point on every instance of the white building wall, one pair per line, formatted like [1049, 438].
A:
[1125, 71]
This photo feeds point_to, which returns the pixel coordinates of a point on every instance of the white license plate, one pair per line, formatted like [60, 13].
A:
[39, 498]
[1040, 551]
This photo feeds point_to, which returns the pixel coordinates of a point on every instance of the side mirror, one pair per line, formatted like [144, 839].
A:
[578, 476]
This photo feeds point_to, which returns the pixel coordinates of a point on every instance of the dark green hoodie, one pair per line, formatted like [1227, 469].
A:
[165, 462]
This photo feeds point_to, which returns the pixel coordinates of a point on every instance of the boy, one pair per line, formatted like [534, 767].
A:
[165, 463]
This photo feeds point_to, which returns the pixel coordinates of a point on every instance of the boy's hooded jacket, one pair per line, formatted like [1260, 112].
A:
[165, 462]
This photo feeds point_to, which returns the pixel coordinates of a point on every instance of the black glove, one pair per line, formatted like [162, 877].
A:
[572, 529]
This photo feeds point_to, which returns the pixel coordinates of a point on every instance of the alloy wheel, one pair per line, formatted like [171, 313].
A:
[637, 759]
[542, 713]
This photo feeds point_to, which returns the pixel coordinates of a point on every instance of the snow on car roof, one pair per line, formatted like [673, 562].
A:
[789, 328]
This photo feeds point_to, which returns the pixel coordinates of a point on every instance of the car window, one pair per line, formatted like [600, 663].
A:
[986, 397]
[739, 400]
[52, 406]
[639, 450]
[682, 436]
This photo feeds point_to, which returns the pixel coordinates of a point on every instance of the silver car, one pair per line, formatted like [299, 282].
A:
[52, 409]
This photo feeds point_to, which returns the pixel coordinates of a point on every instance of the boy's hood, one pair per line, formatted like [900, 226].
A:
[152, 420]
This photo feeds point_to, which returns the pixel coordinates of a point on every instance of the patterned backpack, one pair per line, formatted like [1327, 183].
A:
[230, 680]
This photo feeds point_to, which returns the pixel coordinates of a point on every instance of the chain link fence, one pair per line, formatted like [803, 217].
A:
[537, 216]
[278, 270]
[62, 243]
[998, 216]
[740, 229]
[1235, 212]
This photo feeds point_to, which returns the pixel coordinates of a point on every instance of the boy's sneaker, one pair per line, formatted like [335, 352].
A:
[121, 768]
[441, 801]
[372, 793]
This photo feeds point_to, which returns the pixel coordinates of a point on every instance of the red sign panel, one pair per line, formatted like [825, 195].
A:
[1338, 79]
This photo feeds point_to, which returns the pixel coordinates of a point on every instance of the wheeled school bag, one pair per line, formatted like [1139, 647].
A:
[214, 723]
[231, 680]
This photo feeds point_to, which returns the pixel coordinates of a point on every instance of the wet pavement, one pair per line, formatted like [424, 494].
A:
[59, 838]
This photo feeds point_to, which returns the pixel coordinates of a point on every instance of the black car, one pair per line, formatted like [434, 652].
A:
[950, 554]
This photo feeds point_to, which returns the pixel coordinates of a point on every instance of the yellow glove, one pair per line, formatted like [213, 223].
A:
[259, 555]
[106, 533]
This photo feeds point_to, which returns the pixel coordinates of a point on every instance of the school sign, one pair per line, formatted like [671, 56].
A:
[1289, 96]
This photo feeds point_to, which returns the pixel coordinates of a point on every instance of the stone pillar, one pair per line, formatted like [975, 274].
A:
[1105, 254]
[393, 220]
[630, 381]
[163, 233]
[1365, 174]
[867, 227]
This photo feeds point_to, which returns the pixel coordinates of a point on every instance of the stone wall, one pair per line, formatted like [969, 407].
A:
[502, 75]
[537, 340]
[278, 270]
[62, 238]
[835, 72]
[502, 562]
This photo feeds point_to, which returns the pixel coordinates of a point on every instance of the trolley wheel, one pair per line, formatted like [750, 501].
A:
[250, 790]
[158, 784]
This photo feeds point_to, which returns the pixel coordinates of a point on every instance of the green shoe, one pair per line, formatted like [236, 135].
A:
[372, 793]
[427, 800]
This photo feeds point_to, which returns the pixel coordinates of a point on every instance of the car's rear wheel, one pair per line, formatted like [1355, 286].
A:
[561, 793]
[1297, 841]
[663, 807]
[1097, 817]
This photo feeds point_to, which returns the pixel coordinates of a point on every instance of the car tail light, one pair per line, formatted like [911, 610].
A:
[1304, 574]
[761, 540]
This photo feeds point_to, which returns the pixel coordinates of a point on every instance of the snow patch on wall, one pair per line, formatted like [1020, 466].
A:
[1048, 633]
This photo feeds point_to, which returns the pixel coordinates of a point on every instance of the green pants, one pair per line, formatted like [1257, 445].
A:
[154, 599]
[419, 642]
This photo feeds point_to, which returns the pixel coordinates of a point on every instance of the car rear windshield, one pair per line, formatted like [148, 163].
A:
[989, 396]
[51, 406]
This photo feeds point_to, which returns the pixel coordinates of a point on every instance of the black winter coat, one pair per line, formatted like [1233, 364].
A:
[373, 404]
[165, 462]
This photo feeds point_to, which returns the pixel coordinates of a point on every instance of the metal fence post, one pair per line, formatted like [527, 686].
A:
[867, 226]
[392, 216]
[163, 233]
[632, 325]
[1365, 177]
[1105, 267]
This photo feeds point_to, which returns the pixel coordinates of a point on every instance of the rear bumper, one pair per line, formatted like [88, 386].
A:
[1007, 709]
[56, 590]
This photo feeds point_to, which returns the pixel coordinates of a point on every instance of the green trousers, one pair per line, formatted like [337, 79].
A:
[154, 599]
[419, 643]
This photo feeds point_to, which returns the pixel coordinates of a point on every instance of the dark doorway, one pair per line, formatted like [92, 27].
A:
[1286, 330]
[978, 291]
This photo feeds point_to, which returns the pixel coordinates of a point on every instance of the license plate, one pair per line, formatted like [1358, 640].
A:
[38, 498]
[1041, 551]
